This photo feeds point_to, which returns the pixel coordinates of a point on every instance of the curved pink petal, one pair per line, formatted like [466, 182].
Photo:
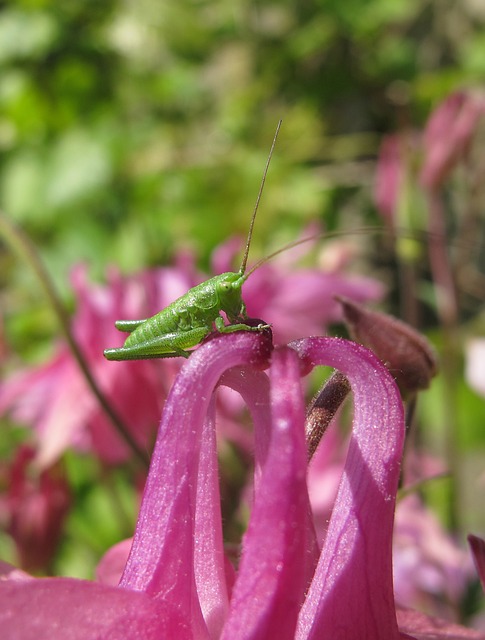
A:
[352, 594]
[273, 572]
[161, 561]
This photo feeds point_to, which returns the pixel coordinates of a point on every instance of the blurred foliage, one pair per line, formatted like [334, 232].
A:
[130, 128]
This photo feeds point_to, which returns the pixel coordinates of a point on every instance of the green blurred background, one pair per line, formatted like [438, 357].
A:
[130, 128]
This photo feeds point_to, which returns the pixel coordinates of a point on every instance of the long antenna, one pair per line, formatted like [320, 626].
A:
[250, 233]
[419, 235]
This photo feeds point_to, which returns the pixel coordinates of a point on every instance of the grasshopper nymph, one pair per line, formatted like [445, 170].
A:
[190, 318]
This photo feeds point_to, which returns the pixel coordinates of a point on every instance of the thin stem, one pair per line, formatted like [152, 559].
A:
[323, 408]
[21, 243]
[447, 309]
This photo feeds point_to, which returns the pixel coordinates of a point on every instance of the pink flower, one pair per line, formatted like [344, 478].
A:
[448, 135]
[44, 396]
[431, 572]
[35, 505]
[55, 399]
[389, 177]
[176, 584]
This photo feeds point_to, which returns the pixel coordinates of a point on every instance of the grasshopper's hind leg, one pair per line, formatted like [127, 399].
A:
[169, 345]
[133, 353]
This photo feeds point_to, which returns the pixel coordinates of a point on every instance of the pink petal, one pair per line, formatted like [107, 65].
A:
[389, 175]
[302, 303]
[448, 135]
[110, 567]
[67, 609]
[273, 572]
[352, 593]
[161, 562]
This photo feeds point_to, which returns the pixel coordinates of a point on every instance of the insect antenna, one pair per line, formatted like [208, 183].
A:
[419, 235]
[250, 232]
[315, 236]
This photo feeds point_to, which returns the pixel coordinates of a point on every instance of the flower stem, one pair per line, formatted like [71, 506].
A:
[23, 246]
[323, 408]
[447, 310]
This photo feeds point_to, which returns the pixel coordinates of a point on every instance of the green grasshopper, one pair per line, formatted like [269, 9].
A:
[190, 318]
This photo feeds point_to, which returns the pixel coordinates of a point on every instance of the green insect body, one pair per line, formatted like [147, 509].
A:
[185, 322]
[190, 318]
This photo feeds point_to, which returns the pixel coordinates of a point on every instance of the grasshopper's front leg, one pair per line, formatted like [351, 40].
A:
[231, 328]
[128, 325]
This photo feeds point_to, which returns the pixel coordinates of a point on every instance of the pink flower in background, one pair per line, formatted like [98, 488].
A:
[389, 177]
[55, 399]
[33, 508]
[444, 143]
[175, 583]
[44, 396]
[431, 572]
[110, 567]
[324, 474]
[448, 135]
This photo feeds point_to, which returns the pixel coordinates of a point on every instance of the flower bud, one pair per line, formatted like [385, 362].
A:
[405, 352]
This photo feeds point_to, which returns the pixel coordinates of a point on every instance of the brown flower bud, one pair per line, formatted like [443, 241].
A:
[405, 352]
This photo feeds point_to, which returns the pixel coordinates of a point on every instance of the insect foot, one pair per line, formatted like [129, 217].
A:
[248, 324]
[256, 324]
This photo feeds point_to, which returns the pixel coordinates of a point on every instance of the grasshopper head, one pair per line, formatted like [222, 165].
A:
[229, 291]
